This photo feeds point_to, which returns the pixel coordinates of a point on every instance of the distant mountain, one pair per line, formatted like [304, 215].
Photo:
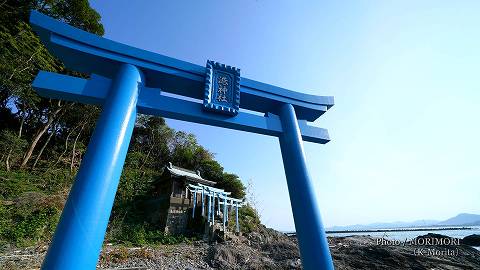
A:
[462, 219]
[385, 225]
[459, 220]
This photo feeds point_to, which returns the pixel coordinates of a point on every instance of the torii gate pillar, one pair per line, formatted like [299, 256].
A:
[308, 224]
[84, 219]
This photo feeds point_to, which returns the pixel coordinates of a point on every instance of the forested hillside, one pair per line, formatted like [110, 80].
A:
[42, 141]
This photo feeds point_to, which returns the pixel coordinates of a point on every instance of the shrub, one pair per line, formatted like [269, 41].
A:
[248, 219]
[30, 218]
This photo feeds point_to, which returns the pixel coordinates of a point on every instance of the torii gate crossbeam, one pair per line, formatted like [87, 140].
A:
[126, 81]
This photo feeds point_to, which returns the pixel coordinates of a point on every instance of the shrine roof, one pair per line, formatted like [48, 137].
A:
[190, 175]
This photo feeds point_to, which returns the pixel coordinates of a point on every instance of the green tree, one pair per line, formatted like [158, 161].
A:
[231, 182]
[12, 145]
[150, 144]
[22, 55]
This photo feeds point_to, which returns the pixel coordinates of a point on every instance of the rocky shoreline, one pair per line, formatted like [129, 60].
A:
[267, 249]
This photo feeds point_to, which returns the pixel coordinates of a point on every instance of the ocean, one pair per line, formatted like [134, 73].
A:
[404, 234]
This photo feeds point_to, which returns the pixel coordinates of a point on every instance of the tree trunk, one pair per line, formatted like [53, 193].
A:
[38, 135]
[43, 147]
[148, 153]
[21, 125]
[17, 70]
[146, 158]
[66, 146]
[74, 147]
[64, 151]
[7, 163]
[7, 160]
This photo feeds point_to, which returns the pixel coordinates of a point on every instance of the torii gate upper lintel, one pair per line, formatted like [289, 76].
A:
[126, 81]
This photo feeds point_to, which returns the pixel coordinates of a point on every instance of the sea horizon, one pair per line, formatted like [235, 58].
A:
[405, 233]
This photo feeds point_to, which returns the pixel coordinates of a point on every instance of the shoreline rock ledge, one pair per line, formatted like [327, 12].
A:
[265, 249]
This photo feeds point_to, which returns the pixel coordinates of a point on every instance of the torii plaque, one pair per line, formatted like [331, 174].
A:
[126, 81]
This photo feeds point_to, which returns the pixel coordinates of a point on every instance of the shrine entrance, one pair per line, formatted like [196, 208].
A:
[126, 81]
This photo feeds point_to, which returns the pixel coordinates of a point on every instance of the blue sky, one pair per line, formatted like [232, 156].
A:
[405, 132]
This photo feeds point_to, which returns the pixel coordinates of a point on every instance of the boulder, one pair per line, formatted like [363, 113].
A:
[471, 240]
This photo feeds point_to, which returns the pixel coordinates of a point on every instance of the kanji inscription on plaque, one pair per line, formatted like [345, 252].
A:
[222, 88]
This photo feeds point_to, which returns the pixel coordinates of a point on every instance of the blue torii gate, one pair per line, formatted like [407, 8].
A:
[126, 81]
[211, 192]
